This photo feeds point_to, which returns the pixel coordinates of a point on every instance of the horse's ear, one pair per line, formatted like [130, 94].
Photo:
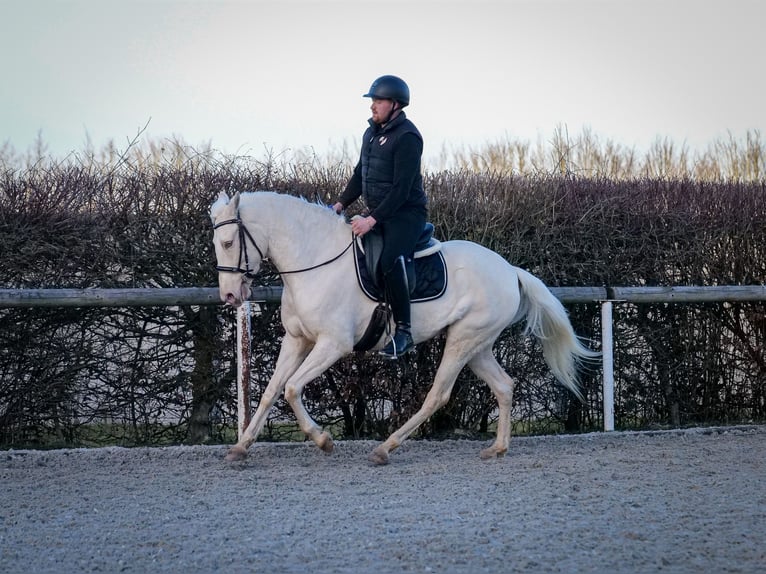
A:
[222, 201]
[235, 201]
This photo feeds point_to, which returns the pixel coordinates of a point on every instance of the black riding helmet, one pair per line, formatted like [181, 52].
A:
[390, 88]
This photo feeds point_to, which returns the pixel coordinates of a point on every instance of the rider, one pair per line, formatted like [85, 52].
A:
[388, 177]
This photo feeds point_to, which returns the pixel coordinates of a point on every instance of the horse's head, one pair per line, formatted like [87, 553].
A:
[238, 255]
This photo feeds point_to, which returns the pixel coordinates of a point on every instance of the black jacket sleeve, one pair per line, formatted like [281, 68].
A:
[353, 187]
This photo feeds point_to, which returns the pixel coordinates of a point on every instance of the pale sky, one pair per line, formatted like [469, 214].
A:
[247, 76]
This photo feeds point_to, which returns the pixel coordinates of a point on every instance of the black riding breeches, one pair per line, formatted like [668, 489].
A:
[401, 234]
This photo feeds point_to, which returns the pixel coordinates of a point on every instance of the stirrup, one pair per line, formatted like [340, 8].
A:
[400, 344]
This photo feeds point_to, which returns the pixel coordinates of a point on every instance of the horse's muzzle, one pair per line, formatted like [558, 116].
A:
[235, 299]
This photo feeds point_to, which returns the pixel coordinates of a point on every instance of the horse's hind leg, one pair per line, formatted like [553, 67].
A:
[452, 363]
[486, 367]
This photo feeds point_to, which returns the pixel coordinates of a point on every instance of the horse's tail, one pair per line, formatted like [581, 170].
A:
[548, 320]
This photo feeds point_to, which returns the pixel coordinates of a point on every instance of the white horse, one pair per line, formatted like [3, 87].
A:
[324, 311]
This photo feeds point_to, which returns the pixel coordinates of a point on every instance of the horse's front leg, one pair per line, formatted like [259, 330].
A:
[321, 357]
[291, 354]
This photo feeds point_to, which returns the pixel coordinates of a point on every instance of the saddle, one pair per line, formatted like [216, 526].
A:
[426, 276]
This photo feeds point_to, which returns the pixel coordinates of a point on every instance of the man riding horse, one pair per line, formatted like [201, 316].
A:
[389, 179]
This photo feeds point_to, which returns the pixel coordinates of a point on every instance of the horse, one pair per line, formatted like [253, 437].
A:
[324, 311]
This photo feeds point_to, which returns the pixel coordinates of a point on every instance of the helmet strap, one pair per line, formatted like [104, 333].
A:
[391, 113]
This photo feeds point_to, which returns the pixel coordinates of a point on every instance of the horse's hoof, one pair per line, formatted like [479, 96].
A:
[325, 442]
[378, 456]
[236, 453]
[490, 453]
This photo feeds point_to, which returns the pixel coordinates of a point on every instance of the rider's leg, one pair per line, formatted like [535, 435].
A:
[400, 234]
[398, 293]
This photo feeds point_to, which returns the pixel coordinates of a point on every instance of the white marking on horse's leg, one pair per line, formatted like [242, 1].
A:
[291, 355]
[453, 360]
[324, 354]
[487, 368]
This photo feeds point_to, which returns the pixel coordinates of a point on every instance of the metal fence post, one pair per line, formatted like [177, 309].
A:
[607, 357]
[243, 367]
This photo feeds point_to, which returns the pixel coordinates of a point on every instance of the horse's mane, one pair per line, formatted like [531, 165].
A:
[301, 210]
[308, 212]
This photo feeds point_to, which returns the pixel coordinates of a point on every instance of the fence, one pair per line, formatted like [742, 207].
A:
[606, 296]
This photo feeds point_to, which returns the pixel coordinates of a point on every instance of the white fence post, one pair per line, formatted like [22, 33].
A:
[607, 358]
[243, 367]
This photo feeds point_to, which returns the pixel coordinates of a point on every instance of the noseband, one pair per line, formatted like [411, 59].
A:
[243, 233]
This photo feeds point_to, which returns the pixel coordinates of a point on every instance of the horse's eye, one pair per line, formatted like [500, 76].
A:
[227, 244]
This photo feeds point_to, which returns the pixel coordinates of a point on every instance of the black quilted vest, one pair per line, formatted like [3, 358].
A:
[378, 145]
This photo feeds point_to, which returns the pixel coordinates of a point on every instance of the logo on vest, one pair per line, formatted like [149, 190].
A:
[382, 140]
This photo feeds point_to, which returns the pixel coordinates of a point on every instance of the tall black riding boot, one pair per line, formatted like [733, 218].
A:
[398, 291]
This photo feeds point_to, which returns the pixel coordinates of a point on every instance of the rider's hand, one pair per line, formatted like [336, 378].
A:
[338, 207]
[362, 225]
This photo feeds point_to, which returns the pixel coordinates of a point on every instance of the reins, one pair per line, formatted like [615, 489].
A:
[247, 271]
[318, 265]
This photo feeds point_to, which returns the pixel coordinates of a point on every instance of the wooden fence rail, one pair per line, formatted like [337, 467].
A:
[147, 297]
[144, 297]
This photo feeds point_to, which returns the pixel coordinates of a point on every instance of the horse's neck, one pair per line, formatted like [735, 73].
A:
[298, 235]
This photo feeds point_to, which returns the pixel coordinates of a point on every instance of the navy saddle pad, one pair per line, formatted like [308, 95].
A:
[427, 271]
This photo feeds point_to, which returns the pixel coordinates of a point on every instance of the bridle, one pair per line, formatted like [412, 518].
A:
[247, 270]
[243, 233]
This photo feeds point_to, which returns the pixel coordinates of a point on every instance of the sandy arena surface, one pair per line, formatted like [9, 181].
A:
[672, 501]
